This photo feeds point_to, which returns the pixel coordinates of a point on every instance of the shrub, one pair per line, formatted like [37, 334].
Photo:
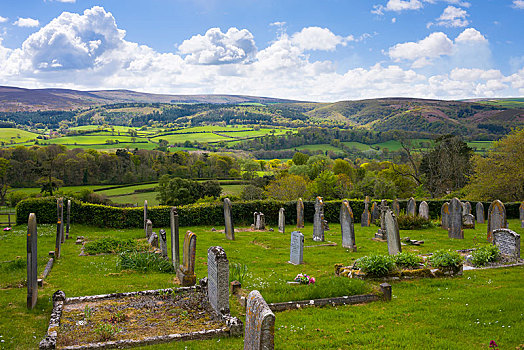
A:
[112, 245]
[485, 255]
[144, 262]
[15, 197]
[446, 259]
[407, 260]
[376, 265]
[408, 222]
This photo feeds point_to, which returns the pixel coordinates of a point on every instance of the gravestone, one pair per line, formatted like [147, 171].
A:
[508, 242]
[281, 221]
[175, 248]
[325, 223]
[259, 332]
[61, 215]
[153, 240]
[411, 207]
[149, 228]
[300, 213]
[444, 216]
[318, 220]
[347, 226]
[375, 212]
[396, 207]
[218, 279]
[68, 217]
[229, 229]
[260, 221]
[58, 240]
[365, 219]
[296, 248]
[186, 271]
[479, 211]
[468, 221]
[496, 218]
[423, 210]
[521, 214]
[467, 205]
[162, 242]
[32, 259]
[392, 233]
[381, 233]
[455, 219]
[145, 215]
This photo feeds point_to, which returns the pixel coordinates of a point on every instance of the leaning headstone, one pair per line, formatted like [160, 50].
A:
[392, 233]
[455, 219]
[411, 207]
[68, 217]
[467, 206]
[153, 240]
[318, 220]
[365, 219]
[32, 268]
[300, 213]
[145, 214]
[162, 242]
[186, 271]
[229, 229]
[281, 221]
[175, 249]
[347, 226]
[296, 248]
[508, 242]
[444, 215]
[521, 214]
[396, 207]
[423, 210]
[149, 228]
[468, 221]
[218, 279]
[259, 331]
[58, 241]
[496, 218]
[479, 211]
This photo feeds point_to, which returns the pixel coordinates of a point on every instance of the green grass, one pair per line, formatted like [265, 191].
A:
[320, 147]
[234, 190]
[357, 145]
[200, 137]
[91, 140]
[9, 135]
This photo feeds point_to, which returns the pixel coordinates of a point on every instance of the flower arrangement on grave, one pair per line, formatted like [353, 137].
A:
[7, 228]
[302, 278]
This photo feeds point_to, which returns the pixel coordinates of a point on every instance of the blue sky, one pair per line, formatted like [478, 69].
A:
[326, 50]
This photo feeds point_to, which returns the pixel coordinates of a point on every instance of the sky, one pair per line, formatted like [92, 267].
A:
[328, 50]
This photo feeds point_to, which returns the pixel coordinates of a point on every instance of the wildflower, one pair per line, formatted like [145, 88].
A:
[493, 345]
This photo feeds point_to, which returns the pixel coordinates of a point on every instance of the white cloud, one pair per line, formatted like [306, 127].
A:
[434, 45]
[66, 1]
[3, 19]
[403, 5]
[316, 38]
[471, 35]
[452, 17]
[26, 22]
[518, 4]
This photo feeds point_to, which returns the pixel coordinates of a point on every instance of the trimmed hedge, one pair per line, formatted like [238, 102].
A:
[206, 214]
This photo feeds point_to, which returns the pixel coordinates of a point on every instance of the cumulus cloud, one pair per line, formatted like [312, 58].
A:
[3, 19]
[452, 17]
[26, 22]
[316, 38]
[403, 5]
[519, 4]
[471, 35]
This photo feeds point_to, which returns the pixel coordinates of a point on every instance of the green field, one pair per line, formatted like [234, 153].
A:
[200, 137]
[320, 147]
[11, 135]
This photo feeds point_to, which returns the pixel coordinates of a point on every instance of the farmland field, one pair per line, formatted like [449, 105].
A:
[200, 137]
[16, 135]
[320, 147]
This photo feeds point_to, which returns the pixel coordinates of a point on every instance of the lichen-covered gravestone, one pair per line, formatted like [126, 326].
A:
[318, 224]
[62, 224]
[68, 217]
[479, 211]
[162, 242]
[229, 229]
[395, 207]
[260, 221]
[347, 226]
[375, 212]
[300, 213]
[455, 219]
[392, 232]
[496, 218]
[32, 268]
[467, 206]
[296, 248]
[411, 207]
[365, 219]
[468, 221]
[149, 228]
[521, 214]
[218, 279]
[59, 230]
[281, 221]
[186, 272]
[444, 215]
[423, 210]
[508, 242]
[259, 331]
[175, 249]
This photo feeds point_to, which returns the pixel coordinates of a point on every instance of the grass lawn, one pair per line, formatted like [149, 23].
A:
[450, 313]
[357, 145]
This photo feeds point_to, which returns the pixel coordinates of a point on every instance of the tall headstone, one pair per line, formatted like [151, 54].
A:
[479, 211]
[508, 242]
[455, 219]
[365, 219]
[423, 210]
[521, 214]
[300, 213]
[281, 221]
[186, 271]
[296, 248]
[68, 217]
[381, 233]
[32, 268]
[175, 244]
[61, 215]
[229, 229]
[468, 208]
[259, 331]
[395, 207]
[260, 221]
[444, 216]
[162, 242]
[318, 220]
[347, 226]
[496, 218]
[218, 279]
[145, 214]
[411, 207]
[58, 241]
[149, 228]
[375, 212]
[392, 233]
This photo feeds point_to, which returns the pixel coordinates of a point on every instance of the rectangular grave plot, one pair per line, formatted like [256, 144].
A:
[139, 318]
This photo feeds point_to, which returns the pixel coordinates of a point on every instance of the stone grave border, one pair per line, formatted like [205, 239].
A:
[232, 325]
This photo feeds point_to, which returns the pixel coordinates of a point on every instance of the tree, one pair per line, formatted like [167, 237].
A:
[287, 188]
[325, 185]
[177, 191]
[4, 185]
[251, 192]
[500, 175]
[49, 184]
[211, 188]
[300, 158]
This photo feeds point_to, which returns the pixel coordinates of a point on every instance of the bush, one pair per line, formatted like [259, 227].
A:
[112, 245]
[15, 197]
[446, 259]
[485, 255]
[144, 262]
[408, 222]
[251, 192]
[407, 260]
[376, 265]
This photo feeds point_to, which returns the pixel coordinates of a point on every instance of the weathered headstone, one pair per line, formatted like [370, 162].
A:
[325, 223]
[218, 279]
[508, 242]
[521, 214]
[318, 224]
[149, 228]
[32, 268]
[423, 210]
[381, 233]
[229, 229]
[61, 215]
[365, 219]
[444, 216]
[479, 211]
[145, 215]
[260, 221]
[395, 207]
[186, 271]
[153, 240]
[68, 217]
[259, 331]
[296, 254]
[392, 233]
[411, 207]
[162, 242]
[300, 213]
[468, 221]
[175, 250]
[58, 241]
[347, 226]
[496, 218]
[375, 212]
[455, 219]
[467, 206]
[281, 221]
